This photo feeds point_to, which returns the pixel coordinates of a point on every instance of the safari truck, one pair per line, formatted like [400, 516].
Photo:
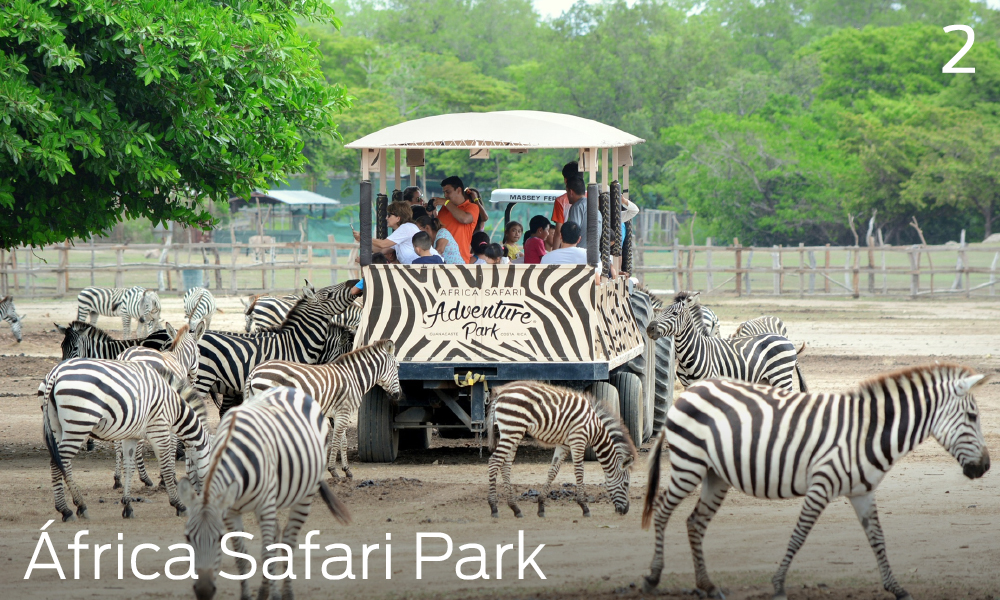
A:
[460, 329]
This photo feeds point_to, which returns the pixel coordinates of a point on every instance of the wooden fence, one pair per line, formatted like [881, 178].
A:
[853, 271]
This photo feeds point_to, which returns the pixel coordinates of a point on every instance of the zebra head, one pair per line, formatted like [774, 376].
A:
[674, 318]
[10, 315]
[149, 311]
[204, 530]
[616, 453]
[71, 341]
[956, 423]
[184, 347]
[248, 304]
[388, 374]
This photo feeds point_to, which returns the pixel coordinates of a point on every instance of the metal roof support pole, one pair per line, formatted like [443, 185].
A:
[593, 235]
[366, 223]
[382, 172]
[399, 180]
[605, 182]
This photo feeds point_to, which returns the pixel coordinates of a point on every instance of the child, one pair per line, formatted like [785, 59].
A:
[480, 240]
[511, 235]
[534, 245]
[425, 254]
[444, 242]
[494, 254]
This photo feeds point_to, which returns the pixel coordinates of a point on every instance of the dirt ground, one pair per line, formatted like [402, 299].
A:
[941, 528]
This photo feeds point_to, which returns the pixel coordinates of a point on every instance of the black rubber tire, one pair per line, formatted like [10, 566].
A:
[415, 439]
[605, 395]
[642, 365]
[630, 402]
[664, 390]
[378, 442]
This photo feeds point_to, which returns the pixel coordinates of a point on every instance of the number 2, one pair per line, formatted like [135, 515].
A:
[950, 66]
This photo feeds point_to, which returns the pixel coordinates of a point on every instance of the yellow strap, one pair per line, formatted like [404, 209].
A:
[472, 379]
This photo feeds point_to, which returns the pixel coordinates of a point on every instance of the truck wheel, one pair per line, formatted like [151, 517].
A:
[664, 381]
[415, 439]
[630, 402]
[643, 365]
[605, 395]
[377, 440]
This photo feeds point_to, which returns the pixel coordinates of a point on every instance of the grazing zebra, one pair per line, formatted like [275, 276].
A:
[763, 358]
[127, 303]
[83, 340]
[270, 454]
[764, 325]
[114, 400]
[707, 315]
[9, 313]
[199, 305]
[266, 311]
[227, 359]
[338, 387]
[571, 422]
[772, 443]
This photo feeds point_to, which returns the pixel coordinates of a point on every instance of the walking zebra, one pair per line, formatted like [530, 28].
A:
[338, 387]
[227, 359]
[9, 313]
[764, 325]
[199, 305]
[270, 454]
[773, 443]
[570, 422]
[114, 400]
[266, 311]
[127, 303]
[764, 358]
[83, 340]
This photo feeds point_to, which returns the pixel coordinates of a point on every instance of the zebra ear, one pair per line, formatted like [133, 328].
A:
[964, 385]
[308, 293]
[387, 346]
[60, 328]
[199, 331]
[171, 332]
[246, 303]
[232, 492]
[188, 494]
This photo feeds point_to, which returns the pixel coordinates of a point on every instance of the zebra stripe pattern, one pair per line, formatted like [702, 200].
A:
[763, 358]
[83, 340]
[126, 303]
[772, 443]
[338, 387]
[764, 325]
[570, 422]
[270, 454]
[113, 400]
[264, 312]
[707, 316]
[199, 305]
[9, 313]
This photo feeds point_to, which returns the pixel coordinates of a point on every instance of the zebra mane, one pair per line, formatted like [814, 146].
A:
[657, 301]
[6, 299]
[696, 313]
[252, 303]
[177, 337]
[296, 308]
[616, 429]
[377, 346]
[949, 370]
[92, 330]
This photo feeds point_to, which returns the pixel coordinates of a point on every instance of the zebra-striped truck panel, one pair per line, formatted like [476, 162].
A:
[567, 420]
[9, 313]
[773, 443]
[338, 387]
[114, 400]
[270, 453]
[498, 313]
[199, 305]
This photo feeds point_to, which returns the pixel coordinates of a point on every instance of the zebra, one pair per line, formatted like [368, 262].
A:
[83, 340]
[9, 313]
[563, 418]
[708, 317]
[338, 387]
[127, 303]
[764, 325]
[115, 400]
[770, 357]
[773, 443]
[181, 358]
[227, 359]
[199, 305]
[270, 454]
[266, 311]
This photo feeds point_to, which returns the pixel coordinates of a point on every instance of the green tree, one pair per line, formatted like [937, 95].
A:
[119, 109]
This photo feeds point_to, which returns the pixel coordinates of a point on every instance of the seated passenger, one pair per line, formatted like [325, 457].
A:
[480, 240]
[511, 237]
[444, 242]
[413, 196]
[568, 253]
[494, 254]
[400, 219]
[425, 254]
[534, 239]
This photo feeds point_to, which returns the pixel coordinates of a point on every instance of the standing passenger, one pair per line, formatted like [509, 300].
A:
[534, 244]
[458, 215]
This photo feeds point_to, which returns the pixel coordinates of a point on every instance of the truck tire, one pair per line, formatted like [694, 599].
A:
[605, 395]
[642, 365]
[377, 440]
[664, 391]
[630, 403]
[415, 439]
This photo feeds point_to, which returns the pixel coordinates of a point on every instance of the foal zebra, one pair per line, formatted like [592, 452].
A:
[761, 358]
[83, 340]
[764, 325]
[114, 400]
[270, 454]
[338, 387]
[9, 313]
[773, 443]
[199, 305]
[127, 303]
[563, 418]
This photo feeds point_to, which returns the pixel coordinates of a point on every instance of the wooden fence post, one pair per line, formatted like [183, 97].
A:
[776, 268]
[914, 271]
[993, 274]
[812, 272]
[959, 265]
[708, 265]
[13, 266]
[802, 272]
[295, 261]
[826, 270]
[119, 259]
[739, 274]
[856, 276]
[690, 266]
[333, 261]
[871, 264]
[3, 272]
[62, 280]
[747, 272]
[677, 250]
[847, 271]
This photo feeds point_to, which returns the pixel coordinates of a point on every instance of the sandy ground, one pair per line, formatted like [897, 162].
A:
[941, 529]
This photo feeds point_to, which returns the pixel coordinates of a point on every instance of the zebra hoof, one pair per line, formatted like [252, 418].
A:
[348, 474]
[519, 514]
[495, 515]
[147, 482]
[649, 585]
[905, 596]
[781, 596]
[82, 512]
[118, 485]
[127, 513]
[68, 515]
[181, 510]
[90, 444]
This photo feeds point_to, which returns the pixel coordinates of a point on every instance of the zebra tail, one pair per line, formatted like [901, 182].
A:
[50, 437]
[798, 370]
[653, 481]
[338, 508]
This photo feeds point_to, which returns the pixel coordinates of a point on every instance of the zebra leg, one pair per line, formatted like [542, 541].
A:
[160, 438]
[118, 465]
[577, 448]
[90, 444]
[332, 450]
[296, 519]
[140, 463]
[234, 522]
[867, 513]
[816, 500]
[267, 517]
[129, 448]
[557, 459]
[343, 454]
[499, 461]
[511, 498]
[338, 447]
[59, 491]
[126, 326]
[713, 492]
[682, 483]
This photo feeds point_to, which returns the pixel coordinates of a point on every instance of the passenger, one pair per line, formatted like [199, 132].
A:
[576, 190]
[444, 243]
[569, 253]
[560, 209]
[425, 254]
[511, 237]
[494, 254]
[480, 240]
[400, 219]
[413, 196]
[534, 242]
[472, 195]
[457, 215]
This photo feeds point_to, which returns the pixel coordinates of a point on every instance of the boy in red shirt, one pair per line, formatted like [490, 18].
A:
[457, 214]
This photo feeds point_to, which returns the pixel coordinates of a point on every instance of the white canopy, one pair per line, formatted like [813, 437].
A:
[513, 129]
[531, 196]
[299, 197]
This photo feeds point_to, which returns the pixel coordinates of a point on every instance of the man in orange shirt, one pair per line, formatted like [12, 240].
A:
[457, 214]
[560, 210]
